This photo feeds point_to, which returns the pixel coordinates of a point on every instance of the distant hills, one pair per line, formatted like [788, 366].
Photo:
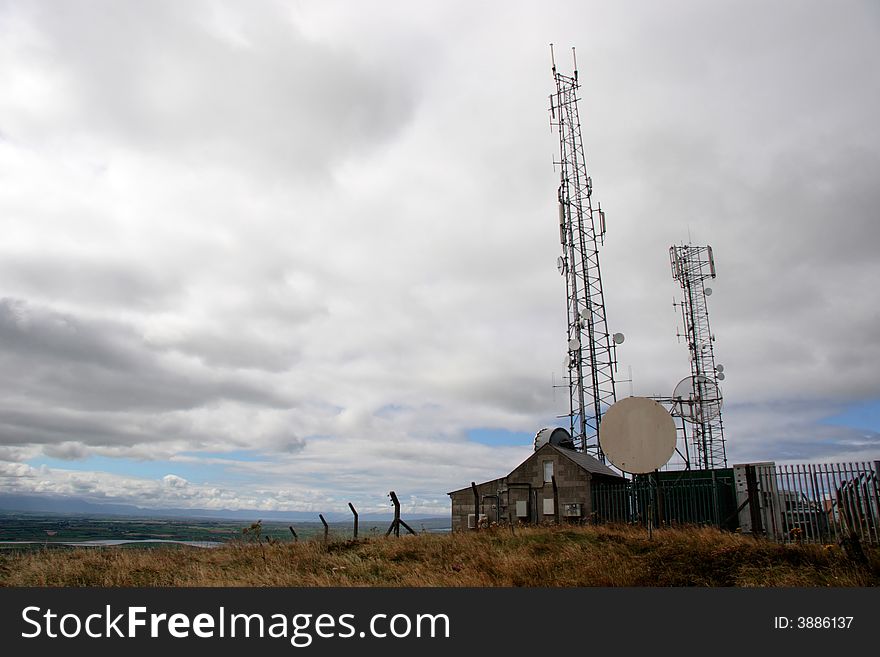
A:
[51, 504]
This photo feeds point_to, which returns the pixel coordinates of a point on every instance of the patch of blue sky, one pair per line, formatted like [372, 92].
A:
[389, 410]
[394, 410]
[500, 437]
[864, 415]
[248, 455]
[197, 473]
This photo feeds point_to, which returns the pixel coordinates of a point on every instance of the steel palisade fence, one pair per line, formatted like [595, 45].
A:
[817, 503]
[827, 502]
[645, 501]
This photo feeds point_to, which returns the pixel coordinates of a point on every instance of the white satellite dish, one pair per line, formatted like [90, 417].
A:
[574, 344]
[637, 435]
[696, 399]
[720, 376]
[719, 367]
[708, 291]
[560, 264]
[619, 338]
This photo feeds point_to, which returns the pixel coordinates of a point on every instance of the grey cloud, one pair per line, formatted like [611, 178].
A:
[239, 351]
[263, 329]
[513, 393]
[284, 443]
[72, 279]
[248, 89]
[66, 451]
[102, 366]
[71, 431]
[36, 331]
[13, 454]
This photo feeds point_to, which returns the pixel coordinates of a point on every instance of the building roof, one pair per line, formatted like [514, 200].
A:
[586, 461]
[488, 481]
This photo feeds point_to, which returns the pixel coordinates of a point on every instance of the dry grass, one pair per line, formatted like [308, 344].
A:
[549, 556]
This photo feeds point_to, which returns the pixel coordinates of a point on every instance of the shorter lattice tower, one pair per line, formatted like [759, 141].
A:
[697, 399]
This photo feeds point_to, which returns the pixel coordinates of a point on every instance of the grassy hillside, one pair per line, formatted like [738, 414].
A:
[548, 556]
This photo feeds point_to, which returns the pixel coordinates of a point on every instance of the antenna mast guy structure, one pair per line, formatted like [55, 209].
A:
[697, 399]
[590, 359]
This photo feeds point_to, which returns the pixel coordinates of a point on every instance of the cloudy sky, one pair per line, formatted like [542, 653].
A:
[286, 255]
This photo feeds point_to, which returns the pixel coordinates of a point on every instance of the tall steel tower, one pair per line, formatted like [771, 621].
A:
[697, 398]
[590, 360]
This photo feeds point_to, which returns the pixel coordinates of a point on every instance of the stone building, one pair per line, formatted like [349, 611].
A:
[526, 494]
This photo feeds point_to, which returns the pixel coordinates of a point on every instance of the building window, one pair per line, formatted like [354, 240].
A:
[548, 471]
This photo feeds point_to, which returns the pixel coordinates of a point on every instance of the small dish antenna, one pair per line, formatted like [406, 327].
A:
[574, 344]
[637, 435]
[697, 399]
[720, 376]
[708, 291]
[619, 338]
[719, 367]
[555, 436]
[560, 264]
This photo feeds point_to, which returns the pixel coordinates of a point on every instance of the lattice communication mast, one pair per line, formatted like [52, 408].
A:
[590, 359]
[697, 399]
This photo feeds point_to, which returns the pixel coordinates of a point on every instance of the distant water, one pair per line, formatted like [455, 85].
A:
[112, 542]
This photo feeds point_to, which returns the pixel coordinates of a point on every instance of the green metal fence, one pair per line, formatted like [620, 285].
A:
[819, 503]
[668, 499]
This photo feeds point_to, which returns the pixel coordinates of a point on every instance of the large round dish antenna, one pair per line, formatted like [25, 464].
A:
[637, 435]
[554, 436]
[697, 399]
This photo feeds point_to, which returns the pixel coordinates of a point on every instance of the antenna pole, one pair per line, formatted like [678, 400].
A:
[591, 358]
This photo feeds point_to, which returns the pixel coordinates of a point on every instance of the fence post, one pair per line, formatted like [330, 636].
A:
[397, 522]
[476, 506]
[355, 533]
[555, 498]
[326, 527]
[293, 531]
[753, 500]
[716, 508]
[659, 511]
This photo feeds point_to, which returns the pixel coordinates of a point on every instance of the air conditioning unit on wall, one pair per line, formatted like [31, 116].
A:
[471, 516]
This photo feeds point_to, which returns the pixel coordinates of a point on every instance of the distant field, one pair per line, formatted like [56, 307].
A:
[57, 529]
[528, 556]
